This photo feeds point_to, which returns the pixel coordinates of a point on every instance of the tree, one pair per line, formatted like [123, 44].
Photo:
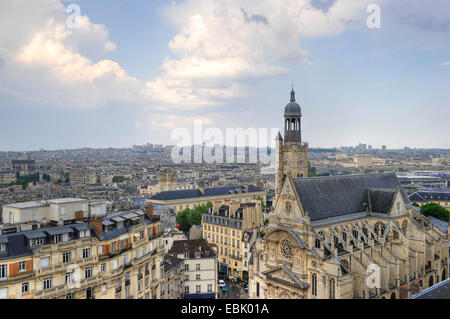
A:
[46, 177]
[415, 204]
[189, 217]
[311, 170]
[266, 222]
[183, 220]
[435, 210]
[118, 179]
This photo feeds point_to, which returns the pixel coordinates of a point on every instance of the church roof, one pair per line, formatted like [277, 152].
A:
[334, 196]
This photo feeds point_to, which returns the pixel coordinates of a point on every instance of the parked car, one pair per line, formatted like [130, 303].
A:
[222, 283]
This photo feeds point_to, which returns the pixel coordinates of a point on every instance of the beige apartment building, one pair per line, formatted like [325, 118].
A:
[199, 279]
[116, 256]
[363, 160]
[228, 227]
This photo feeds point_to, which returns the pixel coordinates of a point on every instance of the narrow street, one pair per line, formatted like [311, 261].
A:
[235, 290]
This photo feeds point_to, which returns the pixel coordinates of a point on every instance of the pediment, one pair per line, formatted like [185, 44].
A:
[284, 275]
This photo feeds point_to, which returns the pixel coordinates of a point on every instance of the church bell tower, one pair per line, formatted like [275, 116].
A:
[291, 154]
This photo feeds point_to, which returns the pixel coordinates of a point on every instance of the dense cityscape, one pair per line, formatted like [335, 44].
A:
[208, 151]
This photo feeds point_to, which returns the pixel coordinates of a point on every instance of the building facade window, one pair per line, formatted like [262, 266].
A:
[22, 266]
[25, 288]
[47, 283]
[332, 288]
[314, 284]
[66, 257]
[86, 252]
[88, 272]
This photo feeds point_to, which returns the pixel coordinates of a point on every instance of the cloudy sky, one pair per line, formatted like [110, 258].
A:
[130, 72]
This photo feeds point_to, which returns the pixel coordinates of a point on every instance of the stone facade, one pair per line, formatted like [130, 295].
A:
[355, 236]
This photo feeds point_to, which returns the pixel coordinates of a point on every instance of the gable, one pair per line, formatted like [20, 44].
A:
[398, 206]
[288, 204]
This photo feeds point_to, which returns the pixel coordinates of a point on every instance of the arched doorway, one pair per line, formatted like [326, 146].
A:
[393, 295]
[430, 281]
[444, 275]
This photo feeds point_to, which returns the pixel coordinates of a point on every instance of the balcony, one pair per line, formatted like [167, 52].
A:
[127, 265]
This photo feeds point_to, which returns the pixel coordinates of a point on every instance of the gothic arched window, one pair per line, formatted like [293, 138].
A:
[379, 228]
[314, 284]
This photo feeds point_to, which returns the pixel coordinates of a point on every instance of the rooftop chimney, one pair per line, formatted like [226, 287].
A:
[149, 210]
[96, 224]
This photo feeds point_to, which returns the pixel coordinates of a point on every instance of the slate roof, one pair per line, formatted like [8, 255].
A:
[440, 224]
[59, 230]
[208, 192]
[425, 196]
[333, 196]
[438, 291]
[381, 200]
[171, 262]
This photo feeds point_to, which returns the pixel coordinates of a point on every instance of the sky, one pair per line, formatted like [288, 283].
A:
[114, 73]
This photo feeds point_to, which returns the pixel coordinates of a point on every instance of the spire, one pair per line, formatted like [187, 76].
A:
[279, 138]
[292, 94]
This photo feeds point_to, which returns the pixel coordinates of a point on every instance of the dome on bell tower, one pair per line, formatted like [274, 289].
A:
[292, 109]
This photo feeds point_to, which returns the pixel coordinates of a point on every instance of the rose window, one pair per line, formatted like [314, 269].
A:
[286, 249]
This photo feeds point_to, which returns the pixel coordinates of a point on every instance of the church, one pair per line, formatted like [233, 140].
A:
[342, 237]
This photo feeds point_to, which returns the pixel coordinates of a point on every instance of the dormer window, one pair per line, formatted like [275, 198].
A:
[56, 238]
[37, 242]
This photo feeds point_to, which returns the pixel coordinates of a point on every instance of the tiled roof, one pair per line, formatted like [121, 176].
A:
[192, 246]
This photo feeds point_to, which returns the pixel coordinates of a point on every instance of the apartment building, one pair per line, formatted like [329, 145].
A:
[191, 198]
[55, 210]
[199, 279]
[431, 195]
[171, 281]
[115, 256]
[226, 226]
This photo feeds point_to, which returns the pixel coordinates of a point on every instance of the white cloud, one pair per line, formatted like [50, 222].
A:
[219, 46]
[445, 63]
